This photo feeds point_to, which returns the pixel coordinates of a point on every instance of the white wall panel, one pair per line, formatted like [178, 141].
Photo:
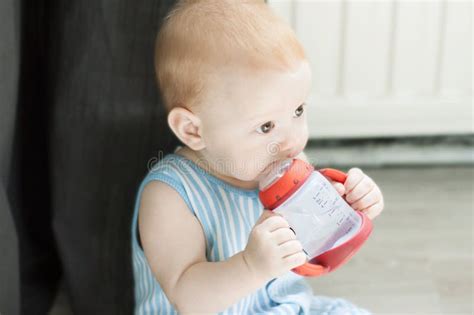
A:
[386, 68]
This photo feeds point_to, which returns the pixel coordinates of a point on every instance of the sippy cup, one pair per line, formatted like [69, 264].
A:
[329, 230]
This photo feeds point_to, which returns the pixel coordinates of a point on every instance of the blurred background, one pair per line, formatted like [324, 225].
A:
[392, 94]
[80, 117]
[386, 68]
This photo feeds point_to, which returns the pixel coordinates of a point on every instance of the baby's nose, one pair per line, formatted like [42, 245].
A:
[290, 147]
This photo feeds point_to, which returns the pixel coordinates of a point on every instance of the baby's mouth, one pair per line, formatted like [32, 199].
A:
[270, 167]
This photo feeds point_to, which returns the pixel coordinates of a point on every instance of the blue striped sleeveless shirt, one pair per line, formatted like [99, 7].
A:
[227, 214]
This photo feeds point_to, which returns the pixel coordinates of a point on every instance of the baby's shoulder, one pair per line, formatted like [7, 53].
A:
[170, 165]
[167, 173]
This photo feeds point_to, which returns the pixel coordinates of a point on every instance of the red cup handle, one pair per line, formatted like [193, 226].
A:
[335, 175]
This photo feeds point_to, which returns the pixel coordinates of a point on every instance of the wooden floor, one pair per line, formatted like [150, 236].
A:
[418, 259]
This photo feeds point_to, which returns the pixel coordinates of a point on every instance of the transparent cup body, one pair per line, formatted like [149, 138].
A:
[320, 217]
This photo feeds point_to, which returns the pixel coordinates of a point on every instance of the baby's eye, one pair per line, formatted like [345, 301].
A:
[299, 111]
[266, 127]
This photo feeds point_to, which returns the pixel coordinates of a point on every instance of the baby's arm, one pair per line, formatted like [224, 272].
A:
[174, 244]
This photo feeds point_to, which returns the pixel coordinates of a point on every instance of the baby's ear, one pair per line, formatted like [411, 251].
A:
[187, 127]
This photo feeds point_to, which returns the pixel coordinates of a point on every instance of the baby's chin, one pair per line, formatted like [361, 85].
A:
[248, 177]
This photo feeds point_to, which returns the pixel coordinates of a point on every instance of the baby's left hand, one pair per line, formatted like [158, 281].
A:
[361, 193]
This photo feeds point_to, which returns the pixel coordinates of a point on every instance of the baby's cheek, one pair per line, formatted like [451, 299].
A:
[246, 172]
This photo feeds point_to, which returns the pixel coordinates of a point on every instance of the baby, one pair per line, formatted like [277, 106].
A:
[234, 80]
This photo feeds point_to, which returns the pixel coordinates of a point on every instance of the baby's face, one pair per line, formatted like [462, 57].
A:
[251, 119]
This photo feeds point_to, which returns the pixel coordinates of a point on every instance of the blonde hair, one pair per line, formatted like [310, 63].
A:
[200, 36]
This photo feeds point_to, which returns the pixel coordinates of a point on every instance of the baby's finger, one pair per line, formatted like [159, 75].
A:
[368, 200]
[341, 190]
[273, 223]
[291, 247]
[265, 214]
[283, 235]
[374, 210]
[360, 190]
[295, 260]
[354, 176]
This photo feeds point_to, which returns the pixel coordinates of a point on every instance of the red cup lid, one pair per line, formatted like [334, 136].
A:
[296, 174]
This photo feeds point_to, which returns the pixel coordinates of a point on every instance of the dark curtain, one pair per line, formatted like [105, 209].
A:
[9, 73]
[80, 119]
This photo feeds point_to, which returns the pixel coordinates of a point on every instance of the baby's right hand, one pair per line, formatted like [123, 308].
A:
[272, 248]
